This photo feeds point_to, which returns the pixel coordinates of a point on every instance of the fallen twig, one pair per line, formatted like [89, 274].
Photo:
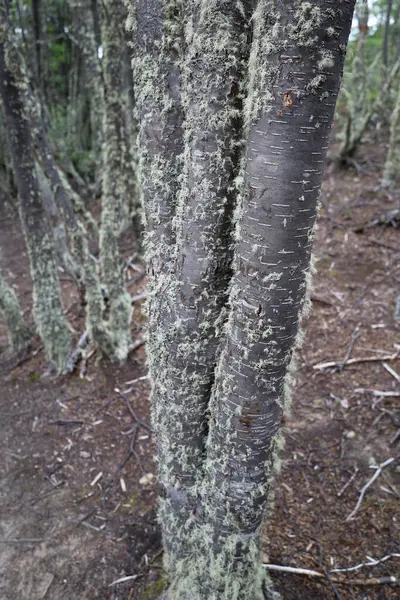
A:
[352, 361]
[321, 299]
[371, 563]
[62, 422]
[375, 476]
[381, 393]
[346, 485]
[354, 336]
[391, 371]
[133, 414]
[127, 578]
[23, 541]
[311, 573]
[137, 379]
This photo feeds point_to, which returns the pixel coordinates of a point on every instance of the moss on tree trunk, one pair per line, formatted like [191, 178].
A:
[222, 340]
[47, 307]
[18, 333]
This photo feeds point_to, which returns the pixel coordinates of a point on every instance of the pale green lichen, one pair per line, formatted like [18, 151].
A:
[52, 325]
[215, 483]
[391, 169]
[18, 332]
[49, 316]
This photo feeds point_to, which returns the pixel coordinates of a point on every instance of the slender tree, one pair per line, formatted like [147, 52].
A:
[48, 311]
[358, 107]
[118, 175]
[392, 164]
[386, 33]
[84, 33]
[18, 332]
[222, 333]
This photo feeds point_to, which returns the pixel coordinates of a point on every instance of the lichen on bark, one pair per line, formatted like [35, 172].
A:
[391, 169]
[48, 312]
[221, 342]
[118, 179]
[17, 330]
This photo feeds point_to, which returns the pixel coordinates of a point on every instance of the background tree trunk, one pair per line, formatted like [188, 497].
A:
[18, 333]
[391, 169]
[48, 311]
[385, 56]
[118, 176]
[84, 31]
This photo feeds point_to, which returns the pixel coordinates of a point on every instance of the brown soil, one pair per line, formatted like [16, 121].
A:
[67, 532]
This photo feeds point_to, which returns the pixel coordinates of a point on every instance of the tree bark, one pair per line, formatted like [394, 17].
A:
[214, 502]
[212, 74]
[358, 106]
[84, 31]
[385, 56]
[48, 311]
[392, 164]
[18, 333]
[118, 176]
[37, 31]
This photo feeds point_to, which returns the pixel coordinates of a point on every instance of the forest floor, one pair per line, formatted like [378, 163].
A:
[78, 499]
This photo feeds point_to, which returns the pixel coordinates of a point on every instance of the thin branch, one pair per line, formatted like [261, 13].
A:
[379, 393]
[352, 361]
[23, 541]
[391, 371]
[133, 414]
[311, 573]
[124, 579]
[370, 563]
[375, 476]
[354, 336]
[346, 485]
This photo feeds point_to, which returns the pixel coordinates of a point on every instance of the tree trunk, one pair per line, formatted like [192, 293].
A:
[48, 311]
[38, 45]
[391, 169]
[18, 333]
[200, 268]
[84, 31]
[386, 33]
[118, 175]
[219, 390]
[294, 74]
[358, 106]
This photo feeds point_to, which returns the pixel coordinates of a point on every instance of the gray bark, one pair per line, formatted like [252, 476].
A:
[216, 41]
[358, 107]
[84, 33]
[385, 56]
[214, 502]
[391, 169]
[48, 311]
[118, 176]
[18, 332]
[295, 70]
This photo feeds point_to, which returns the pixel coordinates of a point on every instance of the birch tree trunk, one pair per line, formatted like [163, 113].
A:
[221, 338]
[18, 332]
[48, 310]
